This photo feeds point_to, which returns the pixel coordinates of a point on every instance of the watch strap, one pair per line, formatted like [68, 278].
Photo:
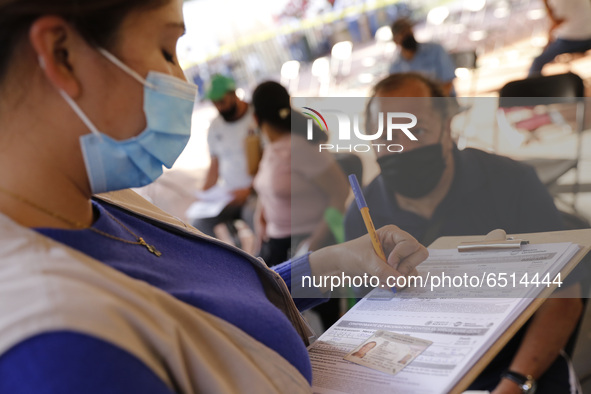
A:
[526, 383]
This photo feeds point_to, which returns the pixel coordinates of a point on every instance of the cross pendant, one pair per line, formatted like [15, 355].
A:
[150, 248]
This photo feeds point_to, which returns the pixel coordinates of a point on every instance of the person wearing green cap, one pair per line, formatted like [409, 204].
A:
[219, 86]
[227, 139]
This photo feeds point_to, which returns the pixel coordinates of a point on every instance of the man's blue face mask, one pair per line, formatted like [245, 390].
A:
[137, 161]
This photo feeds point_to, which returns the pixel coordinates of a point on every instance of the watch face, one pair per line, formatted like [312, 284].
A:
[529, 386]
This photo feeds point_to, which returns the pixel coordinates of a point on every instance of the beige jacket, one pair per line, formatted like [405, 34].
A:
[47, 286]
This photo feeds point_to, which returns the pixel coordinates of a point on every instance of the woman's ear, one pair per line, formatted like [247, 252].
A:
[53, 39]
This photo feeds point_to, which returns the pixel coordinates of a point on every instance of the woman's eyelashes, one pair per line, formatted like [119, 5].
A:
[168, 57]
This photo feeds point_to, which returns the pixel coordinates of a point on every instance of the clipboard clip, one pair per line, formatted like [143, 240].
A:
[495, 240]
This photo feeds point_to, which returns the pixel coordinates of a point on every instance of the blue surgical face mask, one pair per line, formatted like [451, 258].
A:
[137, 161]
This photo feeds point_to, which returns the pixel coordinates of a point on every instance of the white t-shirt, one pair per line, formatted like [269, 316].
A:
[577, 18]
[227, 142]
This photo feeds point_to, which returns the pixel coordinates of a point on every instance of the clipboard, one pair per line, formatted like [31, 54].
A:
[495, 240]
[580, 237]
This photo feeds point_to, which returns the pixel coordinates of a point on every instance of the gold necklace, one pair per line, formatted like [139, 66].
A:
[77, 225]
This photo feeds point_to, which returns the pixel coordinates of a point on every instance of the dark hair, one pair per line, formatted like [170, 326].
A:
[272, 105]
[394, 81]
[401, 25]
[96, 20]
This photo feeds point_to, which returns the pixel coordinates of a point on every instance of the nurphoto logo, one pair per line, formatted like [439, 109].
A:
[395, 122]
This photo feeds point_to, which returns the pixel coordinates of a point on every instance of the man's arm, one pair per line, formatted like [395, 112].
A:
[212, 173]
[553, 323]
[547, 333]
[211, 179]
[241, 195]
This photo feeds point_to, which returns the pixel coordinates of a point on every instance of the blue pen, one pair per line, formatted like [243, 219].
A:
[377, 245]
[362, 205]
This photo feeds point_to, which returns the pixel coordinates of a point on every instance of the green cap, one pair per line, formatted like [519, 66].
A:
[219, 86]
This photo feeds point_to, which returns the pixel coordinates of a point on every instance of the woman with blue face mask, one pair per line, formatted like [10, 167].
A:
[105, 292]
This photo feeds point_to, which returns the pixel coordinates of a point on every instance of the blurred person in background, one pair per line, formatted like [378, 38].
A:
[570, 31]
[295, 183]
[231, 167]
[432, 189]
[427, 58]
[102, 292]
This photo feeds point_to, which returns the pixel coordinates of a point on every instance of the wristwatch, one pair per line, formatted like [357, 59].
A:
[526, 383]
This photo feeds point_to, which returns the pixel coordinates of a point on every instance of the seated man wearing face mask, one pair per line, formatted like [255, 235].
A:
[427, 58]
[432, 189]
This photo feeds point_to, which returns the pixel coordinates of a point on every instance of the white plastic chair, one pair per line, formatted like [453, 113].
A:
[321, 70]
[385, 43]
[434, 26]
[290, 74]
[341, 58]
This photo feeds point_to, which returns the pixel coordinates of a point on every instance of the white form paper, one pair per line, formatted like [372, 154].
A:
[210, 203]
[461, 329]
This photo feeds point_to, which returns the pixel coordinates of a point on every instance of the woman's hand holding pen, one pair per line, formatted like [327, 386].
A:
[358, 257]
